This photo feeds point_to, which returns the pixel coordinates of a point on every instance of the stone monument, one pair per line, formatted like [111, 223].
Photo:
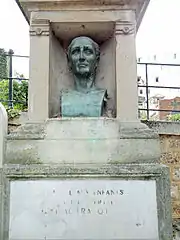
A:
[83, 160]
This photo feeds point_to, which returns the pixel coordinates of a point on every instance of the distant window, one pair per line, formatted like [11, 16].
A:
[139, 79]
[157, 79]
[141, 91]
[175, 55]
[155, 101]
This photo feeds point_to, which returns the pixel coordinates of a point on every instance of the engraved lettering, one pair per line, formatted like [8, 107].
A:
[99, 201]
[83, 210]
[100, 211]
[112, 192]
[89, 211]
[121, 192]
[100, 192]
[68, 211]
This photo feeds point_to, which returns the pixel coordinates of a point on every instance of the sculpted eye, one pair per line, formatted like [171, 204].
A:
[89, 51]
[75, 51]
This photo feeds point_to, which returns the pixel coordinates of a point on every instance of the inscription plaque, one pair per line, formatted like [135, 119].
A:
[83, 209]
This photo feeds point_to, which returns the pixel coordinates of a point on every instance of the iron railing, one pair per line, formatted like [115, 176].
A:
[10, 101]
[147, 87]
[146, 104]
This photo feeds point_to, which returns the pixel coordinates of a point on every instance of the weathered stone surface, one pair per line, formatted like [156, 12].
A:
[175, 194]
[83, 140]
[82, 151]
[138, 6]
[170, 158]
[162, 127]
[3, 133]
[67, 208]
[176, 210]
[143, 172]
[170, 155]
[176, 173]
[176, 229]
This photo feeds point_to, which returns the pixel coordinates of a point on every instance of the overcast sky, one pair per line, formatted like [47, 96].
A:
[159, 32]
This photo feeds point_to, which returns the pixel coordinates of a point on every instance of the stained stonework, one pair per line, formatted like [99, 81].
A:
[169, 133]
[170, 147]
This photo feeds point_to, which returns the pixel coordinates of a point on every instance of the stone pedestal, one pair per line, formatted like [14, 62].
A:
[82, 141]
[83, 170]
[69, 202]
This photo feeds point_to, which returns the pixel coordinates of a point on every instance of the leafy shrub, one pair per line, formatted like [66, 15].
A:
[20, 94]
[174, 117]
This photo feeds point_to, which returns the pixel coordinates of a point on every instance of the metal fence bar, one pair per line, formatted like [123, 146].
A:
[7, 101]
[149, 86]
[159, 110]
[21, 56]
[159, 64]
[14, 78]
[147, 93]
[10, 103]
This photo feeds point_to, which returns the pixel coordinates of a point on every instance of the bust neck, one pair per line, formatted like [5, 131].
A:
[84, 84]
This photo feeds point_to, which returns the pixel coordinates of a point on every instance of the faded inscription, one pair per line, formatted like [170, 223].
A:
[78, 209]
[99, 201]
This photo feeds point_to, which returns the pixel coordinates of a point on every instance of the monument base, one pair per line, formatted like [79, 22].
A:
[83, 140]
[131, 201]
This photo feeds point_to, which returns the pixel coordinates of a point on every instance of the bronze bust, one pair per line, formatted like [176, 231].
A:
[85, 100]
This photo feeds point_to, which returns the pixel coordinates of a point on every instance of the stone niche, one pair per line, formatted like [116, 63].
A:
[112, 24]
[60, 76]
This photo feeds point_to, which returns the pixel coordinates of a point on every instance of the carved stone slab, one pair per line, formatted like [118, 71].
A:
[83, 209]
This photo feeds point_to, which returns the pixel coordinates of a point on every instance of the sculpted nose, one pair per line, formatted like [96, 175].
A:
[81, 57]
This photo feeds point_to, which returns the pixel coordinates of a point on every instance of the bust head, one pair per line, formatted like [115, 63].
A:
[83, 58]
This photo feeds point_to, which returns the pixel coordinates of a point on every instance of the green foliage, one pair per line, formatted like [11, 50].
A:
[174, 117]
[20, 93]
[13, 113]
[3, 64]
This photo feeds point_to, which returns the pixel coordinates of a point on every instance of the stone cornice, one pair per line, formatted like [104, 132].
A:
[77, 2]
[124, 28]
[139, 6]
[40, 27]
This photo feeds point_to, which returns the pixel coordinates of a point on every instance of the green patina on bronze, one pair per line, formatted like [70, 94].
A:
[85, 99]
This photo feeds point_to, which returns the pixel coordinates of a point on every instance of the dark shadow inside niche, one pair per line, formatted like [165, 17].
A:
[61, 78]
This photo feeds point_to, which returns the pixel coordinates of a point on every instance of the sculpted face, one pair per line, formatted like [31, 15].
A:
[83, 56]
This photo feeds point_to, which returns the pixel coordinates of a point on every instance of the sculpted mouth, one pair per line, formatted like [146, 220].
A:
[82, 65]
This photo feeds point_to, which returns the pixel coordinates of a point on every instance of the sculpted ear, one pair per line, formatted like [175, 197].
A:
[97, 58]
[98, 55]
[68, 61]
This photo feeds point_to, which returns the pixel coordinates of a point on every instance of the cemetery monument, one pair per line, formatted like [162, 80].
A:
[83, 166]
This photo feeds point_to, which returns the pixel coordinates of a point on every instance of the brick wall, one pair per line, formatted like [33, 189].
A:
[168, 104]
